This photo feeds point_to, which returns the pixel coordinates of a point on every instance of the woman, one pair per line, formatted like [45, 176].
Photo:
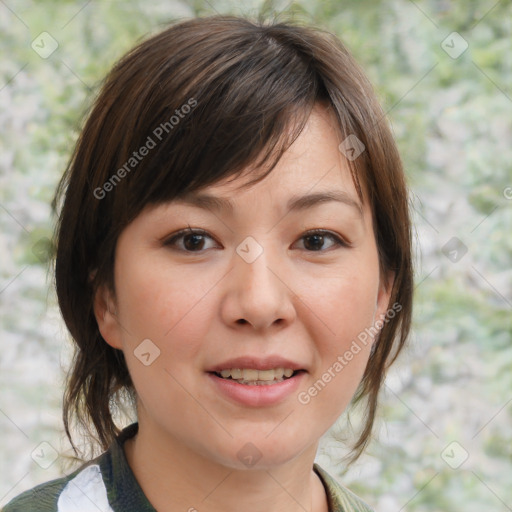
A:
[233, 251]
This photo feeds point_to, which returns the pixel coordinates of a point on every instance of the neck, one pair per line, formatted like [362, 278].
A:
[175, 478]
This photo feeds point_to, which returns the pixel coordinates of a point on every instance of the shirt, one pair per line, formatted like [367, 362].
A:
[107, 484]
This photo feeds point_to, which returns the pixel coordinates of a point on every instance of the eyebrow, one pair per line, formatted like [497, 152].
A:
[296, 203]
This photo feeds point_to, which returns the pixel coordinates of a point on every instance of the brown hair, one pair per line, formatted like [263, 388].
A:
[233, 93]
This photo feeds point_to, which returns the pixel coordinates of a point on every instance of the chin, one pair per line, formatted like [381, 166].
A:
[259, 452]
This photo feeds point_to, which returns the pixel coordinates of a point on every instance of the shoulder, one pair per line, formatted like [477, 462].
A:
[340, 498]
[63, 494]
[42, 498]
[98, 485]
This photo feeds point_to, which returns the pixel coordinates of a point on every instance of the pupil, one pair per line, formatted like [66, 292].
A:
[318, 242]
[196, 244]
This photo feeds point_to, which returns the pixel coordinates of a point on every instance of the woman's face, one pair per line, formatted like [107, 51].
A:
[284, 278]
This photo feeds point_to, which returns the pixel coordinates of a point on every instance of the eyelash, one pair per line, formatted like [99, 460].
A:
[338, 241]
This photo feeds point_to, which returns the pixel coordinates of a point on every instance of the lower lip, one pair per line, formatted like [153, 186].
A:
[258, 395]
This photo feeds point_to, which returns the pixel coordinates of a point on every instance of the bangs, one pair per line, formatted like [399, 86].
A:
[206, 114]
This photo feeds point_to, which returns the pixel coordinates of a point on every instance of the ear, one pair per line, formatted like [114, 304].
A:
[106, 317]
[384, 295]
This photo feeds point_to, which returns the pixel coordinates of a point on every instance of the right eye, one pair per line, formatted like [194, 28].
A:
[188, 240]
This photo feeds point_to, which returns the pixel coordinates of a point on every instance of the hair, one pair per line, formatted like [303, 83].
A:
[235, 93]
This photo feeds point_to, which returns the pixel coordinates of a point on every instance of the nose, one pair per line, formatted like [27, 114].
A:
[258, 294]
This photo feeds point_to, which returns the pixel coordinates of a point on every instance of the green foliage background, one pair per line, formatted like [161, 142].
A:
[453, 122]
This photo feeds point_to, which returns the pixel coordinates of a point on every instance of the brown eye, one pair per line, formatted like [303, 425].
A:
[189, 240]
[316, 240]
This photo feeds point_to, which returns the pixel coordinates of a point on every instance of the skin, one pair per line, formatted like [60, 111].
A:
[305, 304]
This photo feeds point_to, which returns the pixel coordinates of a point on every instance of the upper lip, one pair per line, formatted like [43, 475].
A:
[256, 363]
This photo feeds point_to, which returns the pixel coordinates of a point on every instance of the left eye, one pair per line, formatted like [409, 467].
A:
[194, 240]
[316, 239]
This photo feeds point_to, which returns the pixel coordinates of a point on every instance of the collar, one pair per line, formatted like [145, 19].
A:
[125, 493]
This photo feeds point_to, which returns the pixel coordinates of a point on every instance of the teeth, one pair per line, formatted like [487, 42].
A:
[237, 373]
[249, 374]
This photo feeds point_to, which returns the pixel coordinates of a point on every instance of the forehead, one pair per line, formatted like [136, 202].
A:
[312, 171]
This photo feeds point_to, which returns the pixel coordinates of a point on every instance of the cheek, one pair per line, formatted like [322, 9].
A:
[342, 314]
[344, 303]
[157, 301]
[171, 309]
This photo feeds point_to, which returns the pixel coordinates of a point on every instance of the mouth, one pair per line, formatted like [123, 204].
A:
[254, 377]
[254, 388]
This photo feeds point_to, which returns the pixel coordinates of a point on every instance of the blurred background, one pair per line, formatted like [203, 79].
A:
[443, 72]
